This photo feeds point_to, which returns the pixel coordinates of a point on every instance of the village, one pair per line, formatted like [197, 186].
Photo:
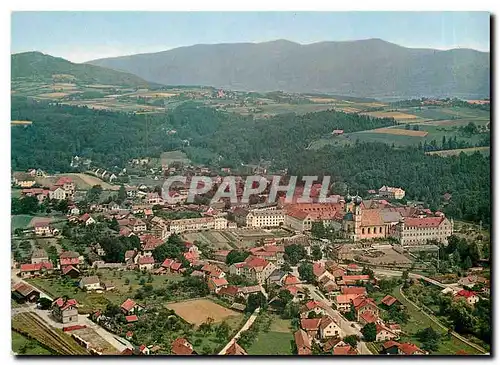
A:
[133, 274]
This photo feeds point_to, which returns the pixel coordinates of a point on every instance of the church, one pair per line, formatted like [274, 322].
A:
[410, 226]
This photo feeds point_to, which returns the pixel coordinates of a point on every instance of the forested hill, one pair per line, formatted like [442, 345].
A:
[110, 139]
[36, 66]
[368, 68]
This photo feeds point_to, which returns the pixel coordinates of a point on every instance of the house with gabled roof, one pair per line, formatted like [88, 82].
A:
[29, 270]
[312, 306]
[235, 349]
[311, 326]
[216, 284]
[65, 311]
[302, 342]
[23, 292]
[384, 333]
[70, 270]
[146, 262]
[328, 328]
[131, 307]
[181, 346]
[363, 304]
[39, 255]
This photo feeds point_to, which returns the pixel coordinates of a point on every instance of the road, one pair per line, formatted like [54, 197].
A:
[345, 325]
[398, 273]
[117, 342]
[245, 327]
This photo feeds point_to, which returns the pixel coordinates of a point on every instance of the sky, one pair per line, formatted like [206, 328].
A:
[83, 36]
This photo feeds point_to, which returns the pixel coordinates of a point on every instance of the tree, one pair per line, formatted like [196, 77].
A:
[236, 256]
[52, 254]
[285, 296]
[44, 303]
[318, 230]
[316, 253]
[306, 272]
[286, 267]
[94, 193]
[294, 253]
[222, 330]
[351, 340]
[405, 275]
[429, 338]
[122, 195]
[369, 332]
[255, 301]
[114, 225]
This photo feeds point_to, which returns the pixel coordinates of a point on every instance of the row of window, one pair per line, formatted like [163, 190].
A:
[370, 230]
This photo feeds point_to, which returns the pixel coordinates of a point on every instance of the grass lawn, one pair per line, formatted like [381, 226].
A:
[272, 343]
[57, 287]
[275, 342]
[15, 193]
[419, 321]
[25, 346]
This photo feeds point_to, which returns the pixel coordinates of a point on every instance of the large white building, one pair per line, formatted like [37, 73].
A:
[416, 231]
[198, 224]
[265, 218]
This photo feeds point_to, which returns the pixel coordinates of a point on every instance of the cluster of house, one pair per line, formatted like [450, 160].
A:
[62, 189]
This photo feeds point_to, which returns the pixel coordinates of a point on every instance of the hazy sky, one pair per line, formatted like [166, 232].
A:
[82, 36]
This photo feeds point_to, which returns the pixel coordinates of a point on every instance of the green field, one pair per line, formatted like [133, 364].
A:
[278, 341]
[419, 321]
[448, 113]
[24, 346]
[20, 221]
[272, 343]
[483, 150]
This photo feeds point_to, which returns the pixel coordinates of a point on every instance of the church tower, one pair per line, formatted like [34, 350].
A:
[356, 214]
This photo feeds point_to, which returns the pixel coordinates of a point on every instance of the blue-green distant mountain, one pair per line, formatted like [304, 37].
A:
[367, 68]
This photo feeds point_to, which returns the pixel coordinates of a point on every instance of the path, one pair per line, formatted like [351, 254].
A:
[436, 321]
[245, 327]
[344, 324]
[398, 273]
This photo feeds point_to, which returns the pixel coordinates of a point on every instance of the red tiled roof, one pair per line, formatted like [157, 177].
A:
[129, 333]
[318, 269]
[409, 348]
[353, 267]
[231, 290]
[465, 293]
[345, 350]
[181, 346]
[63, 305]
[369, 317]
[132, 318]
[353, 290]
[361, 301]
[235, 349]
[253, 262]
[68, 268]
[219, 281]
[291, 280]
[69, 261]
[85, 217]
[167, 263]
[128, 305]
[389, 300]
[63, 180]
[424, 222]
[36, 267]
[310, 324]
[388, 344]
[313, 304]
[143, 260]
[303, 342]
[175, 266]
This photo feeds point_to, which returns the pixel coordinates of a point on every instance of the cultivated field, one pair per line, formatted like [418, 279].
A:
[20, 221]
[32, 326]
[25, 346]
[401, 132]
[213, 238]
[323, 100]
[199, 310]
[395, 115]
[82, 181]
[277, 341]
[95, 341]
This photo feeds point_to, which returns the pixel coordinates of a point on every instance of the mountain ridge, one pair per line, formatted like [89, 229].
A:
[369, 68]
